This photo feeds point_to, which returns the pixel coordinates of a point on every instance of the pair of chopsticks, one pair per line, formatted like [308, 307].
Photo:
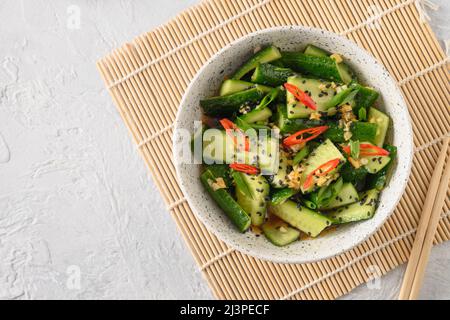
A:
[437, 191]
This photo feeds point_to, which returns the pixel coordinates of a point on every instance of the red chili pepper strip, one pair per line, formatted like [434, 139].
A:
[320, 171]
[297, 137]
[230, 126]
[244, 168]
[301, 96]
[365, 150]
[346, 149]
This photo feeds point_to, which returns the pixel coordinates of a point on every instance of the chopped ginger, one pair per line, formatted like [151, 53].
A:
[315, 116]
[336, 57]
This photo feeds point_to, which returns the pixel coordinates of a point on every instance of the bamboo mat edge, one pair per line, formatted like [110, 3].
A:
[180, 207]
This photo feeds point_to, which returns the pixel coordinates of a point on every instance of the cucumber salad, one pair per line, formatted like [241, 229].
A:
[293, 145]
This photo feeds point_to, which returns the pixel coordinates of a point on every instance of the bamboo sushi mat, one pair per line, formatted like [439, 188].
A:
[147, 78]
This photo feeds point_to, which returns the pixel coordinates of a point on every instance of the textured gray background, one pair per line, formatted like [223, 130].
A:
[75, 197]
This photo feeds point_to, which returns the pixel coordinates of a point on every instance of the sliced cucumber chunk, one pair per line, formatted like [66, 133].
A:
[361, 210]
[265, 55]
[320, 67]
[257, 115]
[270, 75]
[376, 163]
[310, 222]
[347, 195]
[258, 188]
[379, 180]
[344, 72]
[323, 153]
[227, 105]
[287, 125]
[279, 232]
[321, 93]
[268, 155]
[315, 51]
[382, 121]
[281, 195]
[232, 209]
[279, 180]
[230, 86]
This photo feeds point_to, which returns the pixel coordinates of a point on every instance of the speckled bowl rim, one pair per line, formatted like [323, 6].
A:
[289, 258]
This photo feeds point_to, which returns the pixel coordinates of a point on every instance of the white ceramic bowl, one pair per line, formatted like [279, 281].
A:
[369, 71]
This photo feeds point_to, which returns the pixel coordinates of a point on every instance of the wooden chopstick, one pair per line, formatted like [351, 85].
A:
[428, 243]
[427, 227]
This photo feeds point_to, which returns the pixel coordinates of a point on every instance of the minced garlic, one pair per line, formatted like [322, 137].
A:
[294, 177]
[283, 229]
[347, 135]
[321, 181]
[315, 116]
[355, 163]
[256, 230]
[346, 108]
[217, 184]
[297, 147]
[244, 109]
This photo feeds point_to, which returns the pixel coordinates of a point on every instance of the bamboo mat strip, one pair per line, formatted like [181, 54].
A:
[137, 76]
[363, 24]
